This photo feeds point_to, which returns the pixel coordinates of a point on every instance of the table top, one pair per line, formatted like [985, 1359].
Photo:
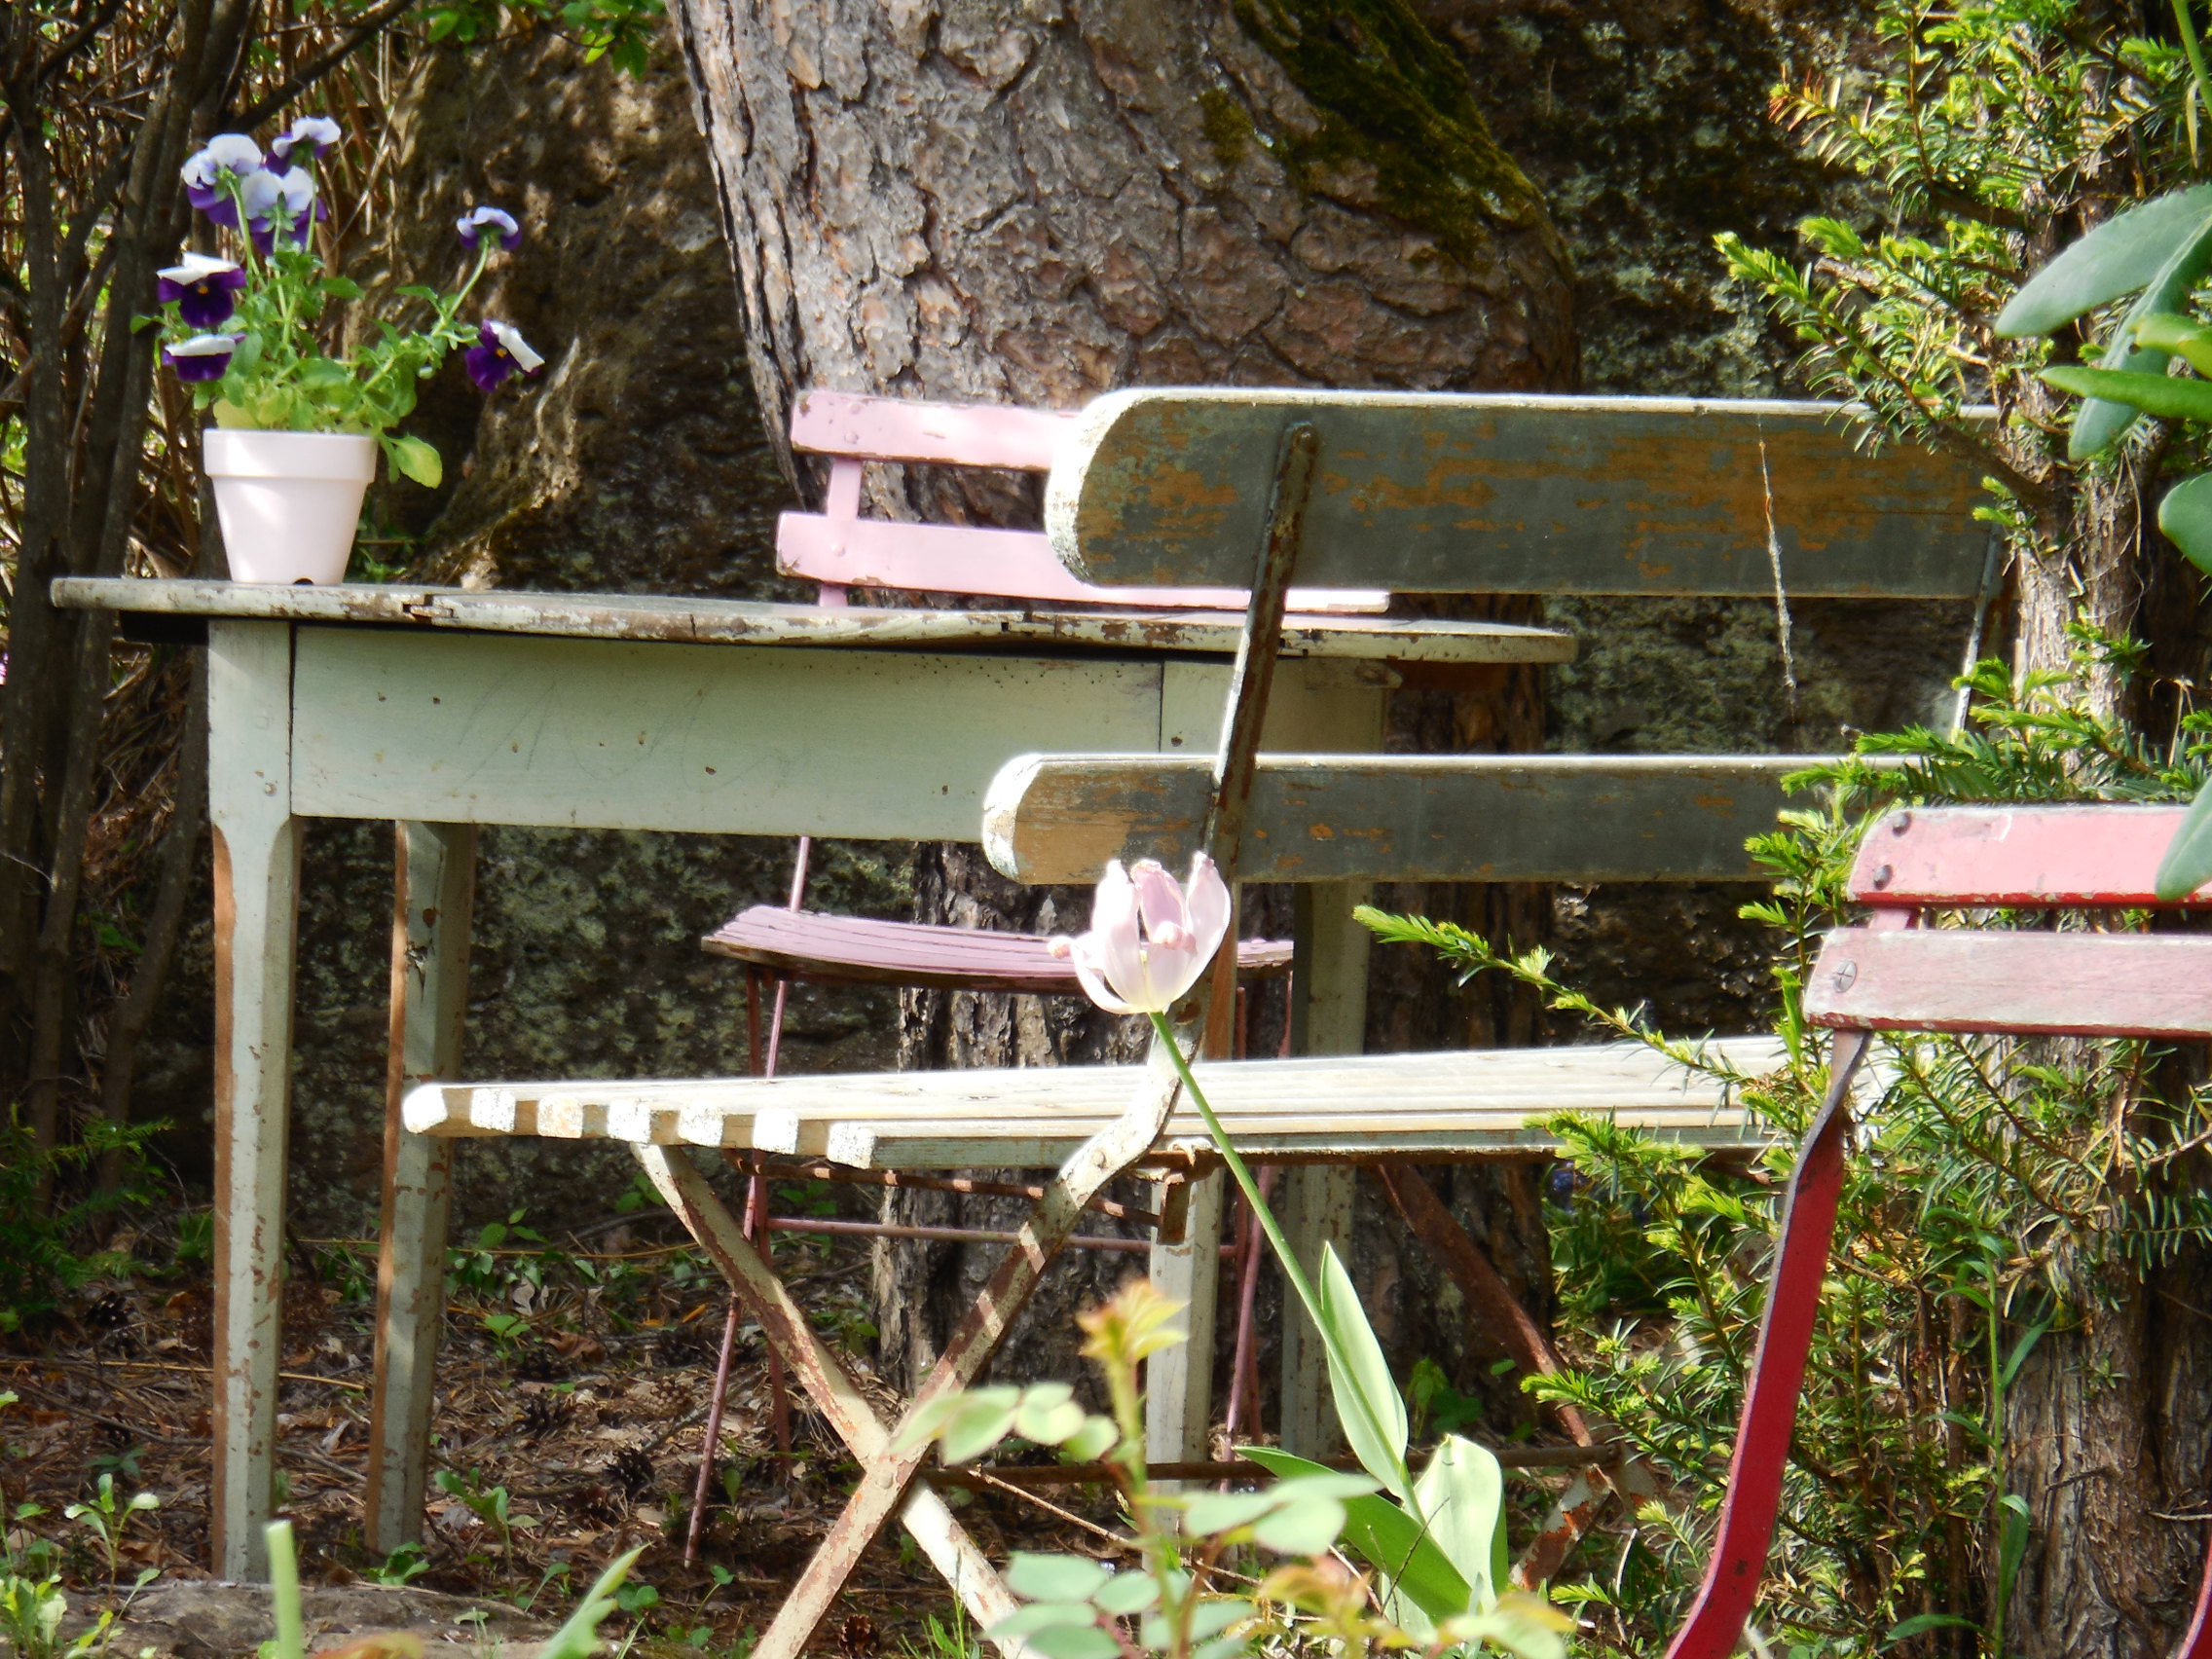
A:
[728, 621]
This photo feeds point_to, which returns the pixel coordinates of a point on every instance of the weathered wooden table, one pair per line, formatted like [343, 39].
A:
[444, 710]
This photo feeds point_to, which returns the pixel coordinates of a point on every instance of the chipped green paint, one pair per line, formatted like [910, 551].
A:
[1392, 99]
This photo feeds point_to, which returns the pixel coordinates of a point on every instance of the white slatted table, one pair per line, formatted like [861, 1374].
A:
[444, 710]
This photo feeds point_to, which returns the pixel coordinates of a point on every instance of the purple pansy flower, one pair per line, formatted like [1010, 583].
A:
[202, 357]
[473, 223]
[279, 201]
[314, 133]
[203, 288]
[501, 351]
[228, 155]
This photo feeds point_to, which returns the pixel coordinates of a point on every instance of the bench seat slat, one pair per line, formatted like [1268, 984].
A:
[2083, 984]
[2019, 857]
[1479, 1101]
[956, 435]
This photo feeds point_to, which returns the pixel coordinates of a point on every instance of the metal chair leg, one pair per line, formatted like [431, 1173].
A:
[1716, 1622]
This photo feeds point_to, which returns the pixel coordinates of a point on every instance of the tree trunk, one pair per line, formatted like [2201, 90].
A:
[2108, 1426]
[1033, 203]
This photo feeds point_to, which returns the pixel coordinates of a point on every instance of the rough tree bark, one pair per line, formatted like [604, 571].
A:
[1031, 203]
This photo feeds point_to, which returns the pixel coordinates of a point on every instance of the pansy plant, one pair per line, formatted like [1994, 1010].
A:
[248, 334]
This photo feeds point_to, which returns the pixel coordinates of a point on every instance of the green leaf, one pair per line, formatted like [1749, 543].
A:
[2100, 423]
[1388, 1538]
[2119, 256]
[1461, 1496]
[2012, 1544]
[2187, 863]
[1046, 1615]
[1307, 1526]
[1074, 1642]
[1055, 1577]
[2166, 396]
[983, 1419]
[414, 458]
[2184, 518]
[1094, 1439]
[341, 288]
[1368, 1402]
[2168, 331]
[1212, 1512]
[1128, 1593]
[1921, 1622]
[1048, 1414]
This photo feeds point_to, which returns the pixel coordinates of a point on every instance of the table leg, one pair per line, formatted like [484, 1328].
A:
[435, 889]
[257, 872]
[1328, 1016]
[1178, 1381]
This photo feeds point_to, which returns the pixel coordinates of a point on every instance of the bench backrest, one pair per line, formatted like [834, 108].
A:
[1426, 493]
[838, 548]
[1895, 974]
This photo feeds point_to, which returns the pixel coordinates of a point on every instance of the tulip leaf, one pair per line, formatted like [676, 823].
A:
[2187, 863]
[2184, 518]
[2124, 253]
[1461, 1496]
[1394, 1543]
[414, 458]
[1369, 1406]
[2167, 396]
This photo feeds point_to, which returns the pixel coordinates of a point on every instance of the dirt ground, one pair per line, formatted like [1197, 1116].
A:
[573, 1394]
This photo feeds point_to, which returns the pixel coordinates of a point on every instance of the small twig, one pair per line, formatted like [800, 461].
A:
[190, 1370]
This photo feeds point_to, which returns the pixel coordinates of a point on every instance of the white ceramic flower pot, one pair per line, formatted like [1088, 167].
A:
[289, 502]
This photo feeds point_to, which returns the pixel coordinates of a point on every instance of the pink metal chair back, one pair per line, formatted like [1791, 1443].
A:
[1897, 974]
[841, 550]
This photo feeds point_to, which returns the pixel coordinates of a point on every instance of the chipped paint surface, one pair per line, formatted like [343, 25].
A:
[706, 621]
[1509, 494]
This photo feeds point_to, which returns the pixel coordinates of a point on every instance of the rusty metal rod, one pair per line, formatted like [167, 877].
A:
[1236, 1470]
[771, 1169]
[948, 1234]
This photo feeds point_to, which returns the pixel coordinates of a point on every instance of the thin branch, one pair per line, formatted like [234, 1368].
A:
[301, 79]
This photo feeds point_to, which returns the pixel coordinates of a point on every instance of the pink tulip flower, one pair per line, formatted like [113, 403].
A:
[1150, 938]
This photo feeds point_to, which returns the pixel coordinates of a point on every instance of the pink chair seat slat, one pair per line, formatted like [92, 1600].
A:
[2079, 984]
[807, 944]
[1012, 564]
[2019, 857]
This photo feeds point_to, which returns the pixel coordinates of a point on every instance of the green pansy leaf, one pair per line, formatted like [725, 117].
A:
[1055, 1577]
[414, 458]
[2184, 518]
[2119, 256]
[2187, 863]
[341, 288]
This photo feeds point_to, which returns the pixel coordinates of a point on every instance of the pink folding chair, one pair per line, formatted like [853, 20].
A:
[841, 550]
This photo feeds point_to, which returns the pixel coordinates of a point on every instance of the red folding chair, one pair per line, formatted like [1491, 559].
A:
[1898, 972]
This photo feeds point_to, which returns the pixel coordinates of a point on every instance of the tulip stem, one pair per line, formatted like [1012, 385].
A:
[1339, 1363]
